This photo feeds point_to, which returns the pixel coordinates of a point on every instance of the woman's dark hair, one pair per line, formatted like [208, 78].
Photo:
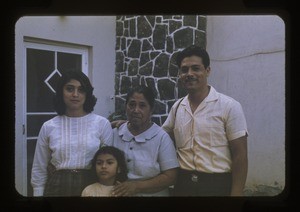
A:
[191, 51]
[120, 157]
[148, 93]
[90, 101]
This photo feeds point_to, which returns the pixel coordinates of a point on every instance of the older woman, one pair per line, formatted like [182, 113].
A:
[67, 143]
[149, 151]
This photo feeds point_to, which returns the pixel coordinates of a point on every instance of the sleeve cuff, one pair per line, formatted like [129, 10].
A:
[237, 135]
[38, 192]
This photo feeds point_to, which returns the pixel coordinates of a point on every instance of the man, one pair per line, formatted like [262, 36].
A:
[210, 133]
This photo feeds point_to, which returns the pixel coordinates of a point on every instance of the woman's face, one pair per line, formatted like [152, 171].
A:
[138, 110]
[74, 95]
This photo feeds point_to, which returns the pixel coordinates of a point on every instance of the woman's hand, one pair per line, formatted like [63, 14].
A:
[117, 123]
[128, 188]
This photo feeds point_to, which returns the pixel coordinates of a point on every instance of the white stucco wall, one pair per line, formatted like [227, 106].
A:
[248, 63]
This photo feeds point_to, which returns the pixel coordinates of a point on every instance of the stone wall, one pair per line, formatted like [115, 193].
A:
[145, 50]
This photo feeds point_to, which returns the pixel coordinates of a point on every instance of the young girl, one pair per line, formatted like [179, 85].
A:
[110, 168]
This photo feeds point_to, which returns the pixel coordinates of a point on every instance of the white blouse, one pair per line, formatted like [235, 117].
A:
[147, 154]
[68, 143]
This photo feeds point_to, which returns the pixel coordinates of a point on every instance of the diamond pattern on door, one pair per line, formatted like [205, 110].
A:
[50, 77]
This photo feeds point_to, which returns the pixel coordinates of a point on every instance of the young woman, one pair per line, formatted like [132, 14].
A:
[110, 168]
[67, 143]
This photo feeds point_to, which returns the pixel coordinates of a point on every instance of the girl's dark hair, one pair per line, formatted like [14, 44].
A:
[148, 93]
[193, 50]
[90, 101]
[120, 157]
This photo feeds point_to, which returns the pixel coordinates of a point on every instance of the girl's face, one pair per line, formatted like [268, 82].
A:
[74, 95]
[138, 110]
[106, 169]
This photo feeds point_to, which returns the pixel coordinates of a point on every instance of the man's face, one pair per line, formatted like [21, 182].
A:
[192, 74]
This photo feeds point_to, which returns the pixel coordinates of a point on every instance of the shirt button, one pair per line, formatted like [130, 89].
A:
[131, 148]
[128, 160]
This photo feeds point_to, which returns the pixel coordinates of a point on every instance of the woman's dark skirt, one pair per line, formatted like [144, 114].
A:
[68, 182]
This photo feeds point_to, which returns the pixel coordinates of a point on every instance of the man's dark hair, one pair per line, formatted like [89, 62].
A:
[191, 51]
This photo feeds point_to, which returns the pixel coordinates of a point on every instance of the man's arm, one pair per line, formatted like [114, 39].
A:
[238, 149]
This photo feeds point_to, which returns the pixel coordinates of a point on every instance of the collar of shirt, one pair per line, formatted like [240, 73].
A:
[212, 96]
[143, 137]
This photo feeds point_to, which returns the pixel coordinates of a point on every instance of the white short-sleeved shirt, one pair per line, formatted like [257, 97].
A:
[68, 143]
[202, 137]
[147, 154]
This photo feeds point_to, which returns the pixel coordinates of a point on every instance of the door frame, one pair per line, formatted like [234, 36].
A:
[21, 121]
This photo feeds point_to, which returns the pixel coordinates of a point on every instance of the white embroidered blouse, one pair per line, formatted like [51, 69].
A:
[68, 143]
